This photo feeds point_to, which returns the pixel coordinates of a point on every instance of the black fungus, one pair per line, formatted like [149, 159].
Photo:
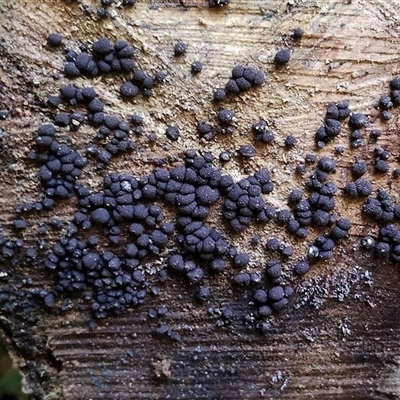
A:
[180, 49]
[290, 141]
[218, 3]
[301, 267]
[358, 120]
[225, 116]
[196, 67]
[298, 33]
[282, 57]
[219, 95]
[203, 293]
[247, 151]
[102, 46]
[241, 260]
[224, 156]
[359, 167]
[54, 39]
[172, 133]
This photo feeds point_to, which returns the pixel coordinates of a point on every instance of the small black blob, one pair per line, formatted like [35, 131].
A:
[326, 164]
[225, 116]
[180, 49]
[295, 195]
[20, 224]
[102, 46]
[224, 156]
[128, 89]
[282, 57]
[241, 260]
[176, 263]
[358, 120]
[219, 95]
[54, 39]
[196, 67]
[218, 3]
[247, 151]
[290, 141]
[298, 34]
[172, 133]
[203, 293]
[301, 267]
[359, 167]
[310, 158]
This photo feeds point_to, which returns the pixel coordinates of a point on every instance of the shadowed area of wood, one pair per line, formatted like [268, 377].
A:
[328, 349]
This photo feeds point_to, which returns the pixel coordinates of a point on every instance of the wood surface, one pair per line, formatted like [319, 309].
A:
[339, 339]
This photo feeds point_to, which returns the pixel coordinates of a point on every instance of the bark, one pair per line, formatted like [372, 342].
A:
[339, 337]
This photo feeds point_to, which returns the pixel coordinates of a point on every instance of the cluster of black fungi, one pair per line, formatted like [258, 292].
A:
[119, 247]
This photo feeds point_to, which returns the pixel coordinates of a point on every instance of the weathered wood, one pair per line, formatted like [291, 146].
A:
[343, 350]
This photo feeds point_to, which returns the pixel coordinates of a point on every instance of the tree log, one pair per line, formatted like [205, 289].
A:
[339, 337]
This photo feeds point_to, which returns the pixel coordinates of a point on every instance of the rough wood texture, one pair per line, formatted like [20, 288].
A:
[339, 350]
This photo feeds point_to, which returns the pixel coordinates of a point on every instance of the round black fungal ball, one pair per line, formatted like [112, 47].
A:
[273, 269]
[205, 195]
[276, 293]
[363, 186]
[62, 119]
[243, 279]
[101, 215]
[359, 167]
[196, 67]
[217, 265]
[385, 102]
[382, 166]
[243, 84]
[71, 70]
[321, 218]
[241, 260]
[232, 86]
[195, 276]
[176, 263]
[54, 39]
[332, 127]
[310, 158]
[203, 293]
[301, 267]
[224, 156]
[219, 95]
[260, 296]
[295, 195]
[19, 224]
[265, 311]
[358, 120]
[301, 169]
[249, 74]
[332, 112]
[225, 116]
[247, 151]
[128, 89]
[102, 46]
[172, 133]
[327, 164]
[386, 115]
[283, 216]
[180, 49]
[49, 300]
[298, 34]
[282, 57]
[290, 141]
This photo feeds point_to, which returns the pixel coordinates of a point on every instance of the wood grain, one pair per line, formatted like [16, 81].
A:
[337, 350]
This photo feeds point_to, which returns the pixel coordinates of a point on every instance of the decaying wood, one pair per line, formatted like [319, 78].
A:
[333, 350]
